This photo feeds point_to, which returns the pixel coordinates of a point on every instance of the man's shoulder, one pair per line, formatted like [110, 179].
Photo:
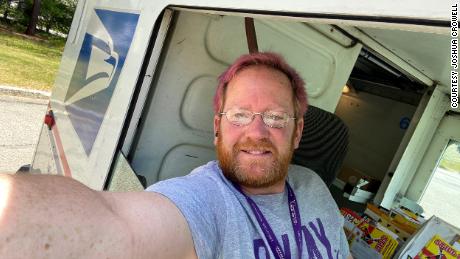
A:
[210, 170]
[201, 197]
[207, 175]
[308, 183]
[299, 174]
[310, 189]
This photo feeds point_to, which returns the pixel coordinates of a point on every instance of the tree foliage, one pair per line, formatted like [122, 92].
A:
[57, 15]
[53, 16]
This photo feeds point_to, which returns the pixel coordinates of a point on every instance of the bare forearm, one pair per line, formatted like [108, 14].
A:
[56, 217]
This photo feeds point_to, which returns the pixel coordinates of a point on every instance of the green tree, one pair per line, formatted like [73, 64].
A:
[20, 12]
[47, 15]
[5, 7]
[57, 15]
[33, 18]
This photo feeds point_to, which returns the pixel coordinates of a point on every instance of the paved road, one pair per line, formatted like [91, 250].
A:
[20, 124]
[442, 197]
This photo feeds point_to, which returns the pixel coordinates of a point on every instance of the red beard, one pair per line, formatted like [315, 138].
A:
[257, 173]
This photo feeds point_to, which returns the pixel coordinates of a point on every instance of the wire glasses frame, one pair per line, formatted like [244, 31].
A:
[273, 119]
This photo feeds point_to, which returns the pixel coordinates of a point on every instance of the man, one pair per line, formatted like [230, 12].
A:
[244, 206]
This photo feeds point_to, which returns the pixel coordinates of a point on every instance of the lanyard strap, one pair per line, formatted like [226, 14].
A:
[268, 231]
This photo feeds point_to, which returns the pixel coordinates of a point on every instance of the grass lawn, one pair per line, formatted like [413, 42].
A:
[29, 62]
[451, 157]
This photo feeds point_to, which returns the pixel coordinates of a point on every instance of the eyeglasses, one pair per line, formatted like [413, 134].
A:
[272, 119]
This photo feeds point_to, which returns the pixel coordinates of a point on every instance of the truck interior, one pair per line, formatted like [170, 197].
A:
[377, 78]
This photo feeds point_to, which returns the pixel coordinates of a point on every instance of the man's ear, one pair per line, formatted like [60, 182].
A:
[216, 128]
[298, 133]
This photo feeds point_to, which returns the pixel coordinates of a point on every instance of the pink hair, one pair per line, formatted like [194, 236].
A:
[270, 60]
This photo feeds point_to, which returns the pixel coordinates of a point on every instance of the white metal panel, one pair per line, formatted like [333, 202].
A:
[147, 81]
[177, 126]
[387, 54]
[428, 9]
[417, 146]
[402, 146]
[448, 129]
[406, 24]
[44, 159]
[427, 52]
[89, 163]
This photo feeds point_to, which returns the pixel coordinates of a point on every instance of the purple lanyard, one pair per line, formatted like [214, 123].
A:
[265, 226]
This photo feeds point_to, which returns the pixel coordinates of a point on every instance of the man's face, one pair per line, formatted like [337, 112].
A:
[256, 155]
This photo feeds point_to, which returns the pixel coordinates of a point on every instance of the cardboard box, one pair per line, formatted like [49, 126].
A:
[395, 228]
[352, 176]
[398, 225]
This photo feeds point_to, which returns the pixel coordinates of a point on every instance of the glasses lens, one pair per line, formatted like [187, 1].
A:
[275, 119]
[239, 116]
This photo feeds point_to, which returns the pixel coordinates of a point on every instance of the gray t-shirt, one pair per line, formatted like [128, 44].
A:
[223, 225]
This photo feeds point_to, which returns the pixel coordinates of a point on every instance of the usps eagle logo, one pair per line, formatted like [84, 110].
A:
[105, 45]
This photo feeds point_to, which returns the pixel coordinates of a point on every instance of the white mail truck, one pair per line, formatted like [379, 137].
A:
[132, 102]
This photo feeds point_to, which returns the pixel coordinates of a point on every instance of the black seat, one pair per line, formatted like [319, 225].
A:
[323, 145]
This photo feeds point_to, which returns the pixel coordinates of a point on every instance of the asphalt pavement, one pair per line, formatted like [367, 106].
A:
[21, 117]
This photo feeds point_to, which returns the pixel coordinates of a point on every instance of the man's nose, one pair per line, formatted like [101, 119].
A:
[257, 128]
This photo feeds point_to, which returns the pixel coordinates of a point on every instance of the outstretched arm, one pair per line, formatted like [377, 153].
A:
[57, 217]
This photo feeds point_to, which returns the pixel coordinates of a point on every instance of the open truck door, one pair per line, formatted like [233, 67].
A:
[134, 92]
[174, 83]
[96, 80]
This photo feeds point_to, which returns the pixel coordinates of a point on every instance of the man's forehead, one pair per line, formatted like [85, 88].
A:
[260, 84]
[256, 70]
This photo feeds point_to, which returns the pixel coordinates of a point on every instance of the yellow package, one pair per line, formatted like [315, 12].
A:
[405, 224]
[396, 228]
[438, 248]
[378, 240]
